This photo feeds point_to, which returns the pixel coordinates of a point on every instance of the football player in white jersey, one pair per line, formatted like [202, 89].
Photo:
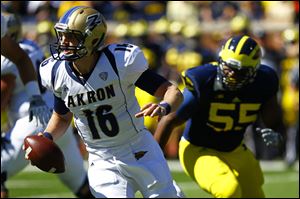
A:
[96, 84]
[17, 103]
[11, 50]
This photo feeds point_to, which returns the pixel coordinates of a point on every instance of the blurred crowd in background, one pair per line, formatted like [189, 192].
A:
[176, 35]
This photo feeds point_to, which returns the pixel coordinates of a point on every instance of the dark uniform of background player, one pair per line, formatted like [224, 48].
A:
[220, 100]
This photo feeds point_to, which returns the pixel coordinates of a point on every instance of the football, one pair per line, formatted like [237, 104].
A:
[44, 154]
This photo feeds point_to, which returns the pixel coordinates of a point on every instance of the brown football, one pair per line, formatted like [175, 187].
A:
[44, 154]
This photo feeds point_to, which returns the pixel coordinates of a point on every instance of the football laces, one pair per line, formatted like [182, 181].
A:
[52, 170]
[27, 152]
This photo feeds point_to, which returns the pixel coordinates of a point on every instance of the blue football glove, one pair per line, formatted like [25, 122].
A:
[39, 109]
[270, 137]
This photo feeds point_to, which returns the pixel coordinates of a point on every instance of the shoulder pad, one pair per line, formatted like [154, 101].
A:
[47, 71]
[125, 53]
[188, 83]
[214, 63]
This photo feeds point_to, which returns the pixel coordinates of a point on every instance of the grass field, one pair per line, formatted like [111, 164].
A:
[31, 183]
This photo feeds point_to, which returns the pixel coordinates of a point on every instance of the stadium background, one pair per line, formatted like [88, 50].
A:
[176, 35]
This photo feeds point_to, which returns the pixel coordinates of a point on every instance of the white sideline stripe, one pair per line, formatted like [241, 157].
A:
[60, 195]
[293, 177]
[174, 165]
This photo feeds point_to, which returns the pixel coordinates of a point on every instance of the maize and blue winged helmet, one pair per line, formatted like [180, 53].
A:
[242, 55]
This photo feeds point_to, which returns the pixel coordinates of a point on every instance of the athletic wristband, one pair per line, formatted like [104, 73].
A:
[32, 88]
[48, 135]
[166, 106]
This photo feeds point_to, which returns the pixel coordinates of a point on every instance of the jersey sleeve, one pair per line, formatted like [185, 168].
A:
[269, 81]
[130, 60]
[190, 82]
[8, 67]
[198, 78]
[46, 73]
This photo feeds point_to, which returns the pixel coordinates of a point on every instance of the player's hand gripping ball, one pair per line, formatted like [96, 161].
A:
[44, 154]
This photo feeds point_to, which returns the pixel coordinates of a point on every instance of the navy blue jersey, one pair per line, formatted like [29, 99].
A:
[217, 118]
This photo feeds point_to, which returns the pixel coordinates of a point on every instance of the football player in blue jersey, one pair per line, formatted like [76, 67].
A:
[220, 100]
[96, 83]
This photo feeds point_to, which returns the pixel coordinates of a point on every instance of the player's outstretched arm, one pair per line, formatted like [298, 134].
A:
[171, 95]
[165, 128]
[58, 124]
[171, 99]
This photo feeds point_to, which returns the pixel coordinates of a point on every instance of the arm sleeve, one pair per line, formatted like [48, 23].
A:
[148, 76]
[59, 106]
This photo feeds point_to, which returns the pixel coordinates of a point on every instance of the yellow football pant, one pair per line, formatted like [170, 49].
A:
[235, 174]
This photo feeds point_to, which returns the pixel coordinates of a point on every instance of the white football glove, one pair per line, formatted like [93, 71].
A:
[39, 109]
[270, 137]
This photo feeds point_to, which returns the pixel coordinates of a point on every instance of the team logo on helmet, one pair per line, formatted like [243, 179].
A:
[92, 21]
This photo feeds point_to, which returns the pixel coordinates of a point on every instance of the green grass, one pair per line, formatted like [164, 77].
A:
[36, 184]
[283, 184]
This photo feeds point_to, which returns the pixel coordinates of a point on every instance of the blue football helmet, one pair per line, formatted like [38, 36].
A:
[239, 60]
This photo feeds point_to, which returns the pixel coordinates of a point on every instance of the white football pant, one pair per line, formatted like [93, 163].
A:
[139, 165]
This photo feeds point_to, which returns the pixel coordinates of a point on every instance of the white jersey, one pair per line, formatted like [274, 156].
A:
[19, 102]
[103, 104]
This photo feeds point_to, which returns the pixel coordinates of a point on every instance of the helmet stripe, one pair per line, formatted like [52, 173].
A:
[234, 43]
[227, 44]
[241, 44]
[256, 53]
[65, 18]
[248, 47]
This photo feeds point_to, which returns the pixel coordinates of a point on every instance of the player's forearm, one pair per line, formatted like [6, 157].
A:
[164, 130]
[4, 100]
[271, 114]
[172, 96]
[58, 124]
[18, 56]
[26, 69]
